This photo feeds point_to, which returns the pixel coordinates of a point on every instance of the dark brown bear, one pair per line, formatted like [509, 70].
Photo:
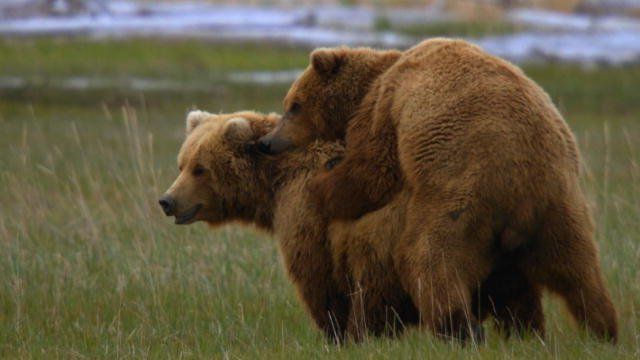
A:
[482, 151]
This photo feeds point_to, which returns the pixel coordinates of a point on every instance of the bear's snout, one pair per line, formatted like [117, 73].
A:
[273, 144]
[264, 145]
[167, 204]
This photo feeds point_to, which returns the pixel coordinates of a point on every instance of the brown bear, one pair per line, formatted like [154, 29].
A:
[343, 271]
[482, 150]
[223, 179]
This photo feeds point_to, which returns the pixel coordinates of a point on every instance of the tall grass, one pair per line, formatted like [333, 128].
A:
[91, 268]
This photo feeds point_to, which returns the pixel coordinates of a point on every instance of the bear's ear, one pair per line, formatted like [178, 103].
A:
[327, 61]
[237, 130]
[197, 117]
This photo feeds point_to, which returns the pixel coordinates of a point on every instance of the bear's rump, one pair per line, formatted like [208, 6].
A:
[490, 162]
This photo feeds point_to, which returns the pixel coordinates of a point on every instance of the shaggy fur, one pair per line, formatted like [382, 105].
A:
[344, 272]
[490, 164]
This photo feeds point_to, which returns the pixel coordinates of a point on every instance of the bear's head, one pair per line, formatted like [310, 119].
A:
[327, 94]
[220, 178]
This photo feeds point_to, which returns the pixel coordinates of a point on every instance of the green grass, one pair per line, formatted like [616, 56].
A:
[185, 60]
[471, 29]
[89, 267]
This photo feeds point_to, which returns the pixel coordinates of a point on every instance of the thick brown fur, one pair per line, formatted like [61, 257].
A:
[484, 154]
[344, 271]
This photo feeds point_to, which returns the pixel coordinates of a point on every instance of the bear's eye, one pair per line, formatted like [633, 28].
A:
[198, 170]
[295, 107]
[332, 162]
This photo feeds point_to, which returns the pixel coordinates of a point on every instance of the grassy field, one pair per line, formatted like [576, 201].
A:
[455, 28]
[89, 267]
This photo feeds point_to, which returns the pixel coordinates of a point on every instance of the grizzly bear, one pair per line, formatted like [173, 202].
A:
[482, 150]
[343, 271]
[223, 179]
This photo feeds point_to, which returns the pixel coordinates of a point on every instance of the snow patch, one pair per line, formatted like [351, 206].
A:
[78, 83]
[613, 48]
[559, 37]
[549, 20]
[265, 77]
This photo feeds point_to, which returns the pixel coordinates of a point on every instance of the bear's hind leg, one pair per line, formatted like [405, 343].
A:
[385, 310]
[513, 301]
[441, 260]
[566, 261]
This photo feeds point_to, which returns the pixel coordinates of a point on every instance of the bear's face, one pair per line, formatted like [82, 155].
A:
[321, 101]
[301, 124]
[215, 166]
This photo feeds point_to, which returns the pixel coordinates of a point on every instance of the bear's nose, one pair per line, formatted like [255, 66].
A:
[264, 146]
[167, 204]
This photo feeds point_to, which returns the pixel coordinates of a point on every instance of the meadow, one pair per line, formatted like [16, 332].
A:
[90, 267]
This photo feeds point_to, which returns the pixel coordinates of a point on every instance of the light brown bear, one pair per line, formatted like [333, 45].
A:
[482, 150]
[222, 179]
[344, 271]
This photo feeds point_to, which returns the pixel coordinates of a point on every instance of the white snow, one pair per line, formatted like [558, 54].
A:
[80, 83]
[362, 18]
[613, 48]
[571, 22]
[265, 77]
[113, 23]
[560, 37]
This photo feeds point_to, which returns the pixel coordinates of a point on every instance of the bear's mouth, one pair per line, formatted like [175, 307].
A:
[188, 216]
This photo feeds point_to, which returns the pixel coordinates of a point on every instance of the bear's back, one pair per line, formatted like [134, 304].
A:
[449, 99]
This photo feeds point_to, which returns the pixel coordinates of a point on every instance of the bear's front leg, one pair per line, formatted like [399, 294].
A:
[309, 265]
[327, 306]
[366, 178]
[340, 195]
[356, 186]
